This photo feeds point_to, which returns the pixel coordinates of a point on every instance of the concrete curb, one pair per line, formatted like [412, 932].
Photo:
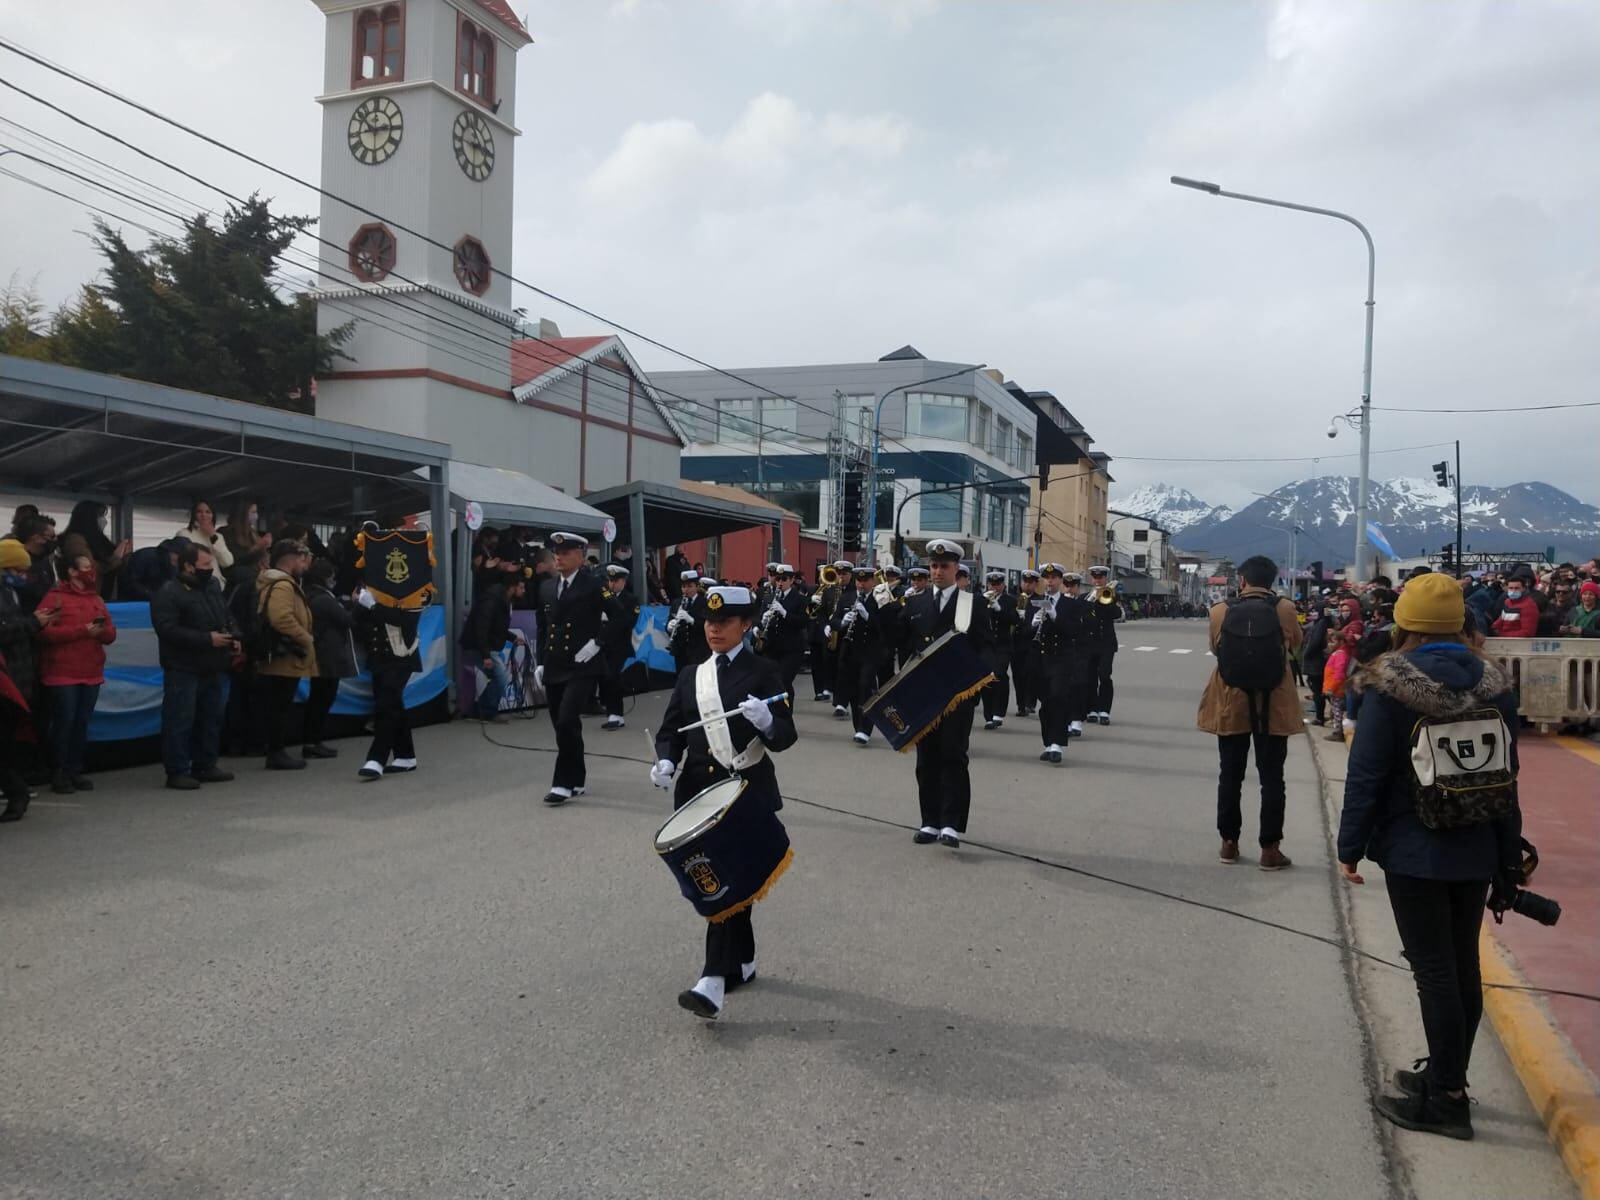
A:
[1561, 1088]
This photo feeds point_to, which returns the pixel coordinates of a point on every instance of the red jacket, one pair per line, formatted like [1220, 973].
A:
[69, 653]
[1518, 618]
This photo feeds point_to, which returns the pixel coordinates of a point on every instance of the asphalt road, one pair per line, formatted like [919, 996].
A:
[434, 986]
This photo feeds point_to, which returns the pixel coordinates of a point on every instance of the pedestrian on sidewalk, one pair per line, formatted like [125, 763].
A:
[197, 642]
[285, 617]
[1252, 636]
[72, 666]
[1335, 675]
[1437, 874]
[331, 623]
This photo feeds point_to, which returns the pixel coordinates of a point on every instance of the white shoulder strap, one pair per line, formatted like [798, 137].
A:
[963, 611]
[708, 699]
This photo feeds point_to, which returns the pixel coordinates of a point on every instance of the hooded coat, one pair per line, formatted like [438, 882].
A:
[1226, 710]
[281, 604]
[1379, 821]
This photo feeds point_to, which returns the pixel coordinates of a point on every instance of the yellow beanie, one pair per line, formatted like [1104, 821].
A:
[1431, 604]
[14, 555]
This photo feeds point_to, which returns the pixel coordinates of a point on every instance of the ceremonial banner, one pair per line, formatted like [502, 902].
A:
[396, 566]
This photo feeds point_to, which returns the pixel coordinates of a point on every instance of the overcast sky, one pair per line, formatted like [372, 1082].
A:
[763, 182]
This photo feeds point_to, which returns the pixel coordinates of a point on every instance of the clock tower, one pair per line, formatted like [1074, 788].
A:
[417, 103]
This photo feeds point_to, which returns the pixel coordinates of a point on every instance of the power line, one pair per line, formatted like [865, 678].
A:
[1295, 458]
[1508, 408]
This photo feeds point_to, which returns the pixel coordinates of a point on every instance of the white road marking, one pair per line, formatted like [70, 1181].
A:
[1180, 651]
[1143, 649]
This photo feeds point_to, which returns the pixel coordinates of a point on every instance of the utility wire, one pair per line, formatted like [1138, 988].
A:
[1507, 408]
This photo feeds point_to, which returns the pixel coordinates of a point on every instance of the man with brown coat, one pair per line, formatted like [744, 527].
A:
[1227, 710]
[284, 617]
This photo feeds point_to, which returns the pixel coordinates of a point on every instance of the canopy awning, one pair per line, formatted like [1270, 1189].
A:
[67, 431]
[512, 498]
[684, 511]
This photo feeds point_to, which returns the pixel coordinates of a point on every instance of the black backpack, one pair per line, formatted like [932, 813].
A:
[1250, 652]
[259, 640]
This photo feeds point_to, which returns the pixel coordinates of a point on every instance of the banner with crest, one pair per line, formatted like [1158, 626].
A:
[396, 566]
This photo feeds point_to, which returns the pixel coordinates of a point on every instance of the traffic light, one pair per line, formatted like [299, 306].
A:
[1447, 557]
[852, 515]
[1441, 472]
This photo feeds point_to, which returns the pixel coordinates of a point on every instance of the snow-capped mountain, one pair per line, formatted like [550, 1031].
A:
[1416, 515]
[1175, 509]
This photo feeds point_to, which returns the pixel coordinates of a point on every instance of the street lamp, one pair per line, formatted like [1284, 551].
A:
[877, 446]
[1213, 189]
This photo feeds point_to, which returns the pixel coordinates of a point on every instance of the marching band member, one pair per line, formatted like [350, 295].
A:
[963, 578]
[1058, 628]
[784, 624]
[684, 639]
[944, 784]
[574, 608]
[1003, 620]
[824, 662]
[1102, 645]
[916, 581]
[733, 678]
[767, 590]
[618, 644]
[1024, 649]
[866, 649]
[1078, 685]
[844, 599]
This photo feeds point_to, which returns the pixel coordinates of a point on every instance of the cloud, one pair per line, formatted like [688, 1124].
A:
[657, 162]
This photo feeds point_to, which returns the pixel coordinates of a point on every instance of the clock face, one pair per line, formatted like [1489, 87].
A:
[375, 130]
[474, 146]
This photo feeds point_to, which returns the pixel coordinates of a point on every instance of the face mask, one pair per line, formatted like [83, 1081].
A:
[1511, 595]
[203, 577]
[14, 580]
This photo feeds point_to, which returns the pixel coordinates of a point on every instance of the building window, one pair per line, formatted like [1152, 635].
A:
[380, 46]
[372, 253]
[804, 499]
[1002, 440]
[472, 266]
[934, 416]
[1019, 514]
[736, 420]
[941, 512]
[1139, 561]
[1024, 452]
[975, 512]
[997, 519]
[980, 436]
[475, 63]
[884, 517]
[779, 416]
[1141, 535]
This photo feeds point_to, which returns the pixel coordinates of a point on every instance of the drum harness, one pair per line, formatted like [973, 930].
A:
[1083, 872]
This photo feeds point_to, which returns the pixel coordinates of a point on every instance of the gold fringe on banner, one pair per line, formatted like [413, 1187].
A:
[960, 698]
[777, 871]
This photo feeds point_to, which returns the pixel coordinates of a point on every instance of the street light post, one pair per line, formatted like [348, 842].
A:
[1213, 189]
[871, 499]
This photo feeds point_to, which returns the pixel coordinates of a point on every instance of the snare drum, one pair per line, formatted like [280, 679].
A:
[725, 848]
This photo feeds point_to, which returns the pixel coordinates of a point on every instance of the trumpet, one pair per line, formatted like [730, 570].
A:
[827, 578]
[1106, 595]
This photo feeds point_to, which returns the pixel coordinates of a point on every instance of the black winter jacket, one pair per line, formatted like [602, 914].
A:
[488, 622]
[330, 626]
[19, 631]
[184, 616]
[1380, 815]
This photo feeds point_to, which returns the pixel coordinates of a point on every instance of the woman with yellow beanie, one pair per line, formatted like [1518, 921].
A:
[1438, 861]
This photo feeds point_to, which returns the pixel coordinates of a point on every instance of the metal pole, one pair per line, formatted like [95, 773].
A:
[1366, 362]
[1458, 508]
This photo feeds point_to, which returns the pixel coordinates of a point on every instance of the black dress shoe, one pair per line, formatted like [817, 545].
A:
[214, 775]
[701, 1007]
[1055, 757]
[1105, 718]
[554, 797]
[81, 784]
[282, 760]
[15, 809]
[183, 783]
[1045, 756]
[318, 750]
[923, 838]
[951, 840]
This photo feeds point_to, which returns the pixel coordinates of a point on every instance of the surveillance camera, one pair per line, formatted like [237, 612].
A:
[1333, 430]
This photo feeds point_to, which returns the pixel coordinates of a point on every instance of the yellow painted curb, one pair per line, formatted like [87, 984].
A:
[1581, 747]
[1562, 1090]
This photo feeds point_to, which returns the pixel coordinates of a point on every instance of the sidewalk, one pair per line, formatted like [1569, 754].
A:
[1538, 1038]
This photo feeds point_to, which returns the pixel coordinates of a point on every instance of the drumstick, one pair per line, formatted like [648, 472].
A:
[732, 712]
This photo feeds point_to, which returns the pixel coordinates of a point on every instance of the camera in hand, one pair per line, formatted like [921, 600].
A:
[1507, 892]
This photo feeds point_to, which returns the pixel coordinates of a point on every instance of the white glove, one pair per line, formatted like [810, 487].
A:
[861, 609]
[365, 598]
[587, 651]
[755, 710]
[538, 677]
[661, 774]
[1038, 618]
[849, 619]
[827, 632]
[778, 609]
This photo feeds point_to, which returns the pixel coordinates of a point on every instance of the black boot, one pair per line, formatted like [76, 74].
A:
[282, 760]
[61, 784]
[15, 807]
[1430, 1112]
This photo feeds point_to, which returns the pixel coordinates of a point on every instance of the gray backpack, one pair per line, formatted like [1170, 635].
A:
[1463, 769]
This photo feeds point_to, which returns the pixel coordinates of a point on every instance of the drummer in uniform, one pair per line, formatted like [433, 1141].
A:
[944, 784]
[733, 678]
[1003, 620]
[618, 644]
[1024, 648]
[574, 610]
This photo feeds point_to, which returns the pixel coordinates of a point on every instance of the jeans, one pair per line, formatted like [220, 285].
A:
[1438, 922]
[70, 706]
[1234, 751]
[191, 721]
[488, 702]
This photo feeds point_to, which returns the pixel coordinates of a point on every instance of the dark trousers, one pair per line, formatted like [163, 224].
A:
[70, 707]
[611, 694]
[243, 722]
[944, 786]
[278, 693]
[1234, 750]
[729, 945]
[1025, 678]
[1059, 689]
[566, 713]
[788, 666]
[191, 721]
[12, 783]
[1099, 680]
[997, 696]
[323, 694]
[391, 727]
[1438, 922]
[823, 668]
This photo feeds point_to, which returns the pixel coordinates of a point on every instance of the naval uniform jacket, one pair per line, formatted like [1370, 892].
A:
[747, 674]
[1002, 625]
[619, 626]
[1065, 637]
[786, 635]
[869, 640]
[922, 622]
[579, 616]
[1102, 636]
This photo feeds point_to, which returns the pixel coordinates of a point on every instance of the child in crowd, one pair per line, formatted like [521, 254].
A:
[1341, 649]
